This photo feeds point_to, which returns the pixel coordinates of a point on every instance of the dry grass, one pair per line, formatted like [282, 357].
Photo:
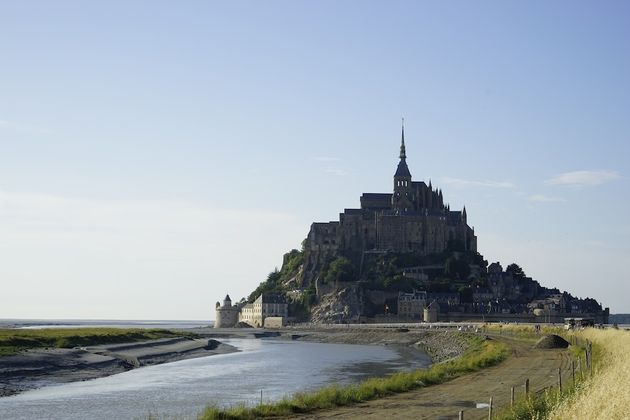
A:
[607, 395]
[524, 331]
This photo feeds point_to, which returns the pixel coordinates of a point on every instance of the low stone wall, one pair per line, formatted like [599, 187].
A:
[274, 322]
[526, 318]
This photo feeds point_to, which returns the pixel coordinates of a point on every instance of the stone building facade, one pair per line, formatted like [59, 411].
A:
[267, 305]
[411, 305]
[412, 218]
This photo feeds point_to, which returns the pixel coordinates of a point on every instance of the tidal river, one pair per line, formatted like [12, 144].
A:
[182, 389]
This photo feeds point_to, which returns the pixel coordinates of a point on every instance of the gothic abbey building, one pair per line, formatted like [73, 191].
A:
[412, 218]
[370, 262]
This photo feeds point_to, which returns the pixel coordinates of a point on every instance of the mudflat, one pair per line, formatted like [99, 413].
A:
[35, 368]
[440, 345]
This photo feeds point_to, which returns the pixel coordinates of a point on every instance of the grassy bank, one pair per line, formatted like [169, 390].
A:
[607, 394]
[13, 340]
[604, 395]
[540, 406]
[482, 353]
[524, 332]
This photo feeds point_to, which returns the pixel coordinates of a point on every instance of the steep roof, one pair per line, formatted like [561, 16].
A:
[269, 298]
[402, 170]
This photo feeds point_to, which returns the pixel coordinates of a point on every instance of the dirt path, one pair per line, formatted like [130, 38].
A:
[444, 401]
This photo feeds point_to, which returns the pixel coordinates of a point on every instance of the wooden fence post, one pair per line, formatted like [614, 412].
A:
[512, 397]
[527, 388]
[586, 357]
[490, 410]
[461, 414]
[580, 368]
[573, 371]
[560, 379]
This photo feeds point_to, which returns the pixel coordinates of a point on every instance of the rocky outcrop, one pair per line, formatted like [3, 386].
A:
[340, 305]
[552, 342]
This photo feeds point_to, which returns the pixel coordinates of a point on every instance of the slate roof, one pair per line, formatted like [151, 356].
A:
[402, 169]
[267, 298]
[378, 196]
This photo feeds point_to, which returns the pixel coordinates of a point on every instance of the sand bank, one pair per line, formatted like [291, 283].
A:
[40, 367]
[439, 344]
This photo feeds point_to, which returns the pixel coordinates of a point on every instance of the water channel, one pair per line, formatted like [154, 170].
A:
[182, 389]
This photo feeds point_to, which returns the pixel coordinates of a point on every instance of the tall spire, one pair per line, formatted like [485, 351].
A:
[403, 170]
[403, 154]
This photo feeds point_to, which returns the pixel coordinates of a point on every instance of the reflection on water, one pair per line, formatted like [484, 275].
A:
[181, 389]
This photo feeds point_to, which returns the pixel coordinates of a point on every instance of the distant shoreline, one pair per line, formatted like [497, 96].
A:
[102, 323]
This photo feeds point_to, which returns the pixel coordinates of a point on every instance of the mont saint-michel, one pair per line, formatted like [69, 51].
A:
[403, 255]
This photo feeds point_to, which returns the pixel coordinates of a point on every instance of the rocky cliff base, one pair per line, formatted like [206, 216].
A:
[440, 345]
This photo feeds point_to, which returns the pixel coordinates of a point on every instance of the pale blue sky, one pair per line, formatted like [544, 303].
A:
[155, 156]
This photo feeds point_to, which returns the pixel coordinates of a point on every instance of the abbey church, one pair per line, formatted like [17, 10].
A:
[403, 253]
[412, 218]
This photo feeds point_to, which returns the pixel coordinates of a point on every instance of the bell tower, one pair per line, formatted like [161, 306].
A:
[402, 199]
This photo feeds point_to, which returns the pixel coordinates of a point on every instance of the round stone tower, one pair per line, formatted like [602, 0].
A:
[431, 312]
[226, 314]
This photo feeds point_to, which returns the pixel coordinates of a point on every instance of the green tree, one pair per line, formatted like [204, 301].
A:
[516, 271]
[456, 268]
[291, 262]
[399, 283]
[271, 285]
[340, 269]
[465, 294]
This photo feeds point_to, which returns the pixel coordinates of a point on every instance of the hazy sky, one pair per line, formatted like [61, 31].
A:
[155, 156]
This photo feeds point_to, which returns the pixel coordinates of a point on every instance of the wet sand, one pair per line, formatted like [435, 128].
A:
[40, 367]
[440, 345]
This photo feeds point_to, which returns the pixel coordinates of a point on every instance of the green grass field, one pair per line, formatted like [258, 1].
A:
[13, 341]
